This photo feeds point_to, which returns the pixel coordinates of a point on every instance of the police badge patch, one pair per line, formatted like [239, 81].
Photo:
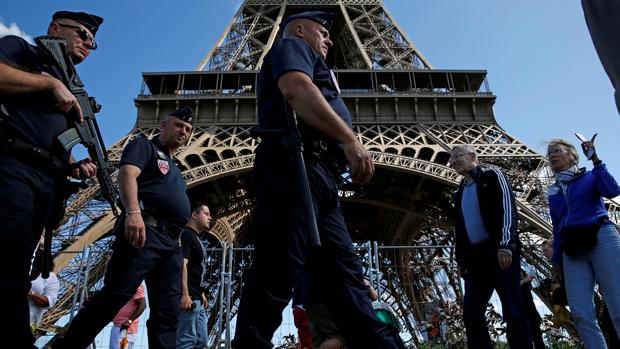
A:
[163, 166]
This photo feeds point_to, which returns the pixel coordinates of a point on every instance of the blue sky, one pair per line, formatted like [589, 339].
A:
[539, 56]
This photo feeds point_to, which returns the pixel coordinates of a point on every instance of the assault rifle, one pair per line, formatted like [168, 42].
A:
[85, 132]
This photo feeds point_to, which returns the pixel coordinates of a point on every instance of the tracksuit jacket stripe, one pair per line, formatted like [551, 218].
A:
[507, 207]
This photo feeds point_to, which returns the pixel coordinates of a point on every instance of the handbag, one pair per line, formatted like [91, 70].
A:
[577, 240]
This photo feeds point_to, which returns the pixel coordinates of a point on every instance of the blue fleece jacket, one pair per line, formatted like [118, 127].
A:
[582, 204]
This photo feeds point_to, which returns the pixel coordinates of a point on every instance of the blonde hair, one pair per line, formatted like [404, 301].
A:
[566, 144]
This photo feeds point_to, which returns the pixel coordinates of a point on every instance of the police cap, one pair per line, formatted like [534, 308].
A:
[184, 114]
[90, 21]
[326, 19]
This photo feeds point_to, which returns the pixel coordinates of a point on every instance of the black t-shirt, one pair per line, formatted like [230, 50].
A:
[161, 187]
[294, 54]
[33, 116]
[194, 252]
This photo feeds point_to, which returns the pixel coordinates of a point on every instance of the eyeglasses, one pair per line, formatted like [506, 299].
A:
[455, 157]
[82, 33]
[555, 152]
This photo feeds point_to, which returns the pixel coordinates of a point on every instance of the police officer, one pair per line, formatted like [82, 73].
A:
[147, 245]
[35, 107]
[601, 18]
[294, 72]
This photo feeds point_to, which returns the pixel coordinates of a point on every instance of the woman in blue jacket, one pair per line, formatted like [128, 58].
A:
[583, 237]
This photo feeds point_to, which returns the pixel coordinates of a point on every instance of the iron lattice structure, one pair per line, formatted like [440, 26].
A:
[406, 113]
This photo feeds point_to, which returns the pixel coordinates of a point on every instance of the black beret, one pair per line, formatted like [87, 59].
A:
[184, 114]
[323, 18]
[90, 21]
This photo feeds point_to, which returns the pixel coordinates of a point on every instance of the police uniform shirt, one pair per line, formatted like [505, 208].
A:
[194, 252]
[161, 187]
[33, 116]
[294, 54]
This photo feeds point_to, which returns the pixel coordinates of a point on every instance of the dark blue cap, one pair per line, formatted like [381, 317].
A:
[184, 114]
[323, 18]
[90, 21]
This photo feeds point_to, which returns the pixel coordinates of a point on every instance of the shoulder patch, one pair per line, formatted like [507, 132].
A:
[163, 166]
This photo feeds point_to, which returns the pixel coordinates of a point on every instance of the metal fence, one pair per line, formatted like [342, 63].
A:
[420, 283]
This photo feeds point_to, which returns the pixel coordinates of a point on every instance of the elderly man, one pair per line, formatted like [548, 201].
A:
[487, 249]
[294, 72]
[147, 245]
[35, 108]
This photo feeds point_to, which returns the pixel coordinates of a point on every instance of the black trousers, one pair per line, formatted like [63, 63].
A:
[282, 251]
[533, 318]
[159, 263]
[483, 276]
[25, 200]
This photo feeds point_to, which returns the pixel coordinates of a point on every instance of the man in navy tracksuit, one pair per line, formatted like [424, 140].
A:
[487, 249]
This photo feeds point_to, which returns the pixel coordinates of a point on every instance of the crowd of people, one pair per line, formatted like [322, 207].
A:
[158, 236]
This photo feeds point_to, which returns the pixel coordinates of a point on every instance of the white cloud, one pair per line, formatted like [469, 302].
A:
[13, 29]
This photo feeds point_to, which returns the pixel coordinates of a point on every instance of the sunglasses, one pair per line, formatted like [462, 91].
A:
[82, 33]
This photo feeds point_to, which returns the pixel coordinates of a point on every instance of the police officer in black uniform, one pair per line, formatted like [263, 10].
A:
[294, 71]
[35, 107]
[147, 245]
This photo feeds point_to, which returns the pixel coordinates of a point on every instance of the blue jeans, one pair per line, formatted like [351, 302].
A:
[600, 264]
[192, 328]
[116, 334]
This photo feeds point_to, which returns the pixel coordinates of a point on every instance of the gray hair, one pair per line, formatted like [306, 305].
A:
[465, 148]
[566, 144]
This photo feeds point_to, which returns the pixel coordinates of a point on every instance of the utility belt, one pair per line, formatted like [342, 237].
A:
[171, 227]
[316, 150]
[33, 156]
[319, 149]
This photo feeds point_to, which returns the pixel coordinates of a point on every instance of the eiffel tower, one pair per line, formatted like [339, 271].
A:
[406, 113]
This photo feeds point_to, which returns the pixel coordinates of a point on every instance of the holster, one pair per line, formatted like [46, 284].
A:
[170, 227]
[320, 149]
